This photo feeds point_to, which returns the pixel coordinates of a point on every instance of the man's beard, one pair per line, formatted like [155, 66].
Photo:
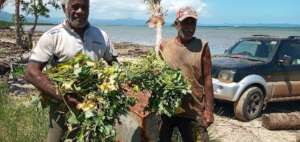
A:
[181, 33]
[74, 23]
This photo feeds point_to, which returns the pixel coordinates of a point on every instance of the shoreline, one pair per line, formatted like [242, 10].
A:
[126, 50]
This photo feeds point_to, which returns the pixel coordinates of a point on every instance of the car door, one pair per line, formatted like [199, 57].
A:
[287, 74]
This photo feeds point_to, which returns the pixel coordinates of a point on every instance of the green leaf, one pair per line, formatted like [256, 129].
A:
[89, 114]
[72, 119]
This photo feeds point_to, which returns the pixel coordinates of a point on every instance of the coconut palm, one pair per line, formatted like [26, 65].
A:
[156, 20]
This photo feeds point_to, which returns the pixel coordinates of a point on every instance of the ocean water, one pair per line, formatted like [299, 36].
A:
[219, 38]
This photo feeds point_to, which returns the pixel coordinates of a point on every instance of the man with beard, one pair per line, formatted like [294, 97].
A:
[192, 56]
[60, 44]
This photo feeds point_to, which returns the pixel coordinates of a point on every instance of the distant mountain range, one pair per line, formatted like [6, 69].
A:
[5, 16]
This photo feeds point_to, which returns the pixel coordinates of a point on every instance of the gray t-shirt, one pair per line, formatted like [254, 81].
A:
[62, 43]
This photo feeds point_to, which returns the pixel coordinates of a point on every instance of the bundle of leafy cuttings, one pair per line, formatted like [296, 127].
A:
[167, 86]
[98, 88]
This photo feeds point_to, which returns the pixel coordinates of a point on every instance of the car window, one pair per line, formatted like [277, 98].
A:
[292, 49]
[253, 48]
[246, 47]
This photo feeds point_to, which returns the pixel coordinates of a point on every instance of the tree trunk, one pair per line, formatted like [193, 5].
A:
[18, 24]
[32, 30]
[2, 3]
[281, 121]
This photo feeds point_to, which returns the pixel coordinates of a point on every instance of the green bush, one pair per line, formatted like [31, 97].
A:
[18, 71]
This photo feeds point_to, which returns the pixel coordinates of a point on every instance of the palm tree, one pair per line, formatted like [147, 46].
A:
[156, 20]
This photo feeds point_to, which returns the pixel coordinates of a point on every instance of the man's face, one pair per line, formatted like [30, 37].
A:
[186, 28]
[77, 12]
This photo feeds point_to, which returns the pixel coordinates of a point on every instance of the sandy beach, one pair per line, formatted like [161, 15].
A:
[226, 128]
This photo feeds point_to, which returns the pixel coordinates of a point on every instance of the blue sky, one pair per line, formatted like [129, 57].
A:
[253, 11]
[210, 11]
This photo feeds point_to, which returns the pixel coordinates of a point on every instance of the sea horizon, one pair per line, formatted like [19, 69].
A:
[218, 37]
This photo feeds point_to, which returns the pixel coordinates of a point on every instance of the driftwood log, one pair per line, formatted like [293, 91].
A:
[281, 121]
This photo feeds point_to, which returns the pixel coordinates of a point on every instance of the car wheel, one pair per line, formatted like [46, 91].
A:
[250, 104]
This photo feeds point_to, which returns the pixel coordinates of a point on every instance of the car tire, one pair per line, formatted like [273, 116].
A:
[250, 104]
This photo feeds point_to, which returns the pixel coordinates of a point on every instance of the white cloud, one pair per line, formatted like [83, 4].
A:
[108, 9]
[172, 5]
[136, 9]
[121, 9]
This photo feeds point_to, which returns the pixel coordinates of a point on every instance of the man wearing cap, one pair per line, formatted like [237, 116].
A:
[192, 56]
[60, 44]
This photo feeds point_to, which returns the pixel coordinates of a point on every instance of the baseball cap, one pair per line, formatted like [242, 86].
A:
[186, 12]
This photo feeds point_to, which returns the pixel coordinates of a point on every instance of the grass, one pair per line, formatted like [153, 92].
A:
[18, 71]
[3, 88]
[20, 121]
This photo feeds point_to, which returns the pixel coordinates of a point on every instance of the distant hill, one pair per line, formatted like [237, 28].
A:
[5, 16]
[126, 22]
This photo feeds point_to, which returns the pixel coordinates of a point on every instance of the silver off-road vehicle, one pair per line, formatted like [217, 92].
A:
[257, 70]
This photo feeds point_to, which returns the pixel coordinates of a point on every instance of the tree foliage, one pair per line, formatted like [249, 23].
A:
[34, 8]
[99, 89]
[167, 86]
[37, 8]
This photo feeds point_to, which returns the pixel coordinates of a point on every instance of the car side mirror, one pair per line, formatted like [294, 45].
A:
[285, 60]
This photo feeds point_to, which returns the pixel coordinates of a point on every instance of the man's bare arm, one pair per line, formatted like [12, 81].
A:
[35, 76]
[208, 87]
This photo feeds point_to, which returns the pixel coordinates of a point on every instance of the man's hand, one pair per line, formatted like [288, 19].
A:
[71, 101]
[208, 118]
